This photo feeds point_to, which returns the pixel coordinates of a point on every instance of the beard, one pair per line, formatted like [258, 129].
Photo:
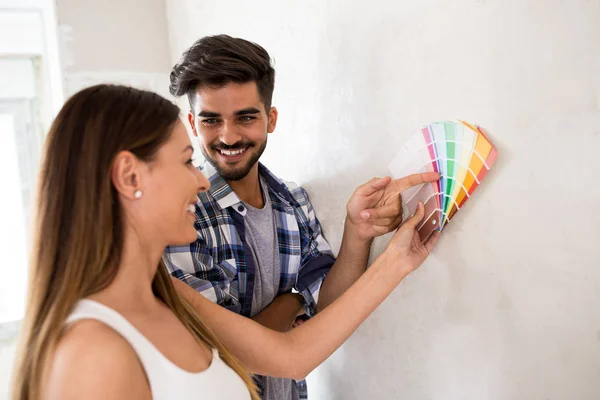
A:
[236, 173]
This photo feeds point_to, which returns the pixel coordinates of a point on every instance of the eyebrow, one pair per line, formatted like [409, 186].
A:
[208, 114]
[188, 147]
[243, 111]
[247, 111]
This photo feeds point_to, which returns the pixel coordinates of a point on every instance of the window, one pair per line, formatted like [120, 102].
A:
[20, 143]
[30, 95]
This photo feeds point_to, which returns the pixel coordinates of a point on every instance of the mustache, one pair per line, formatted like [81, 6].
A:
[235, 146]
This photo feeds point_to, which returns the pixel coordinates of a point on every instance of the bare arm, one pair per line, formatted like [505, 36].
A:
[281, 313]
[295, 353]
[350, 264]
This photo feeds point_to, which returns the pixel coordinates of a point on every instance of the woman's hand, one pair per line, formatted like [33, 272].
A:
[405, 248]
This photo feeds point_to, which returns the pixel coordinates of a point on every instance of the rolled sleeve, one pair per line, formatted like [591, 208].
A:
[310, 279]
[317, 257]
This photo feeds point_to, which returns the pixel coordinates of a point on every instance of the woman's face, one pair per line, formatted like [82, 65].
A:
[170, 186]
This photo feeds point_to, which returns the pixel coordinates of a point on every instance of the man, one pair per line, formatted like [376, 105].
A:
[260, 251]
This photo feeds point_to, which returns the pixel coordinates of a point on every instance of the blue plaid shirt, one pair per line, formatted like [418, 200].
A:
[220, 264]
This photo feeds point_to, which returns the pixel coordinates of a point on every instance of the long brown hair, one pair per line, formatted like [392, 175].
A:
[78, 236]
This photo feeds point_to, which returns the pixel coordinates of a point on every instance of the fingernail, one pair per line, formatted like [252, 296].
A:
[364, 215]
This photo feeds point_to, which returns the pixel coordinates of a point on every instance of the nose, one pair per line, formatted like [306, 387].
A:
[203, 183]
[229, 134]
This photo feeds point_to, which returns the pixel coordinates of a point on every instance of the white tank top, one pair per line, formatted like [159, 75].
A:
[167, 380]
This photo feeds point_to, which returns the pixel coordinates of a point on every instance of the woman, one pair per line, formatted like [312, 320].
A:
[117, 186]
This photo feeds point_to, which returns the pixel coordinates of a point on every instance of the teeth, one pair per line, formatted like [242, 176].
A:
[232, 152]
[192, 208]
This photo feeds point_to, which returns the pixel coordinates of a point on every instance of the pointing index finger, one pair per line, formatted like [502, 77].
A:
[416, 179]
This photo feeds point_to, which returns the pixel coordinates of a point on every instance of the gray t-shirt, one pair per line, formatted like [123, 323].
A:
[262, 238]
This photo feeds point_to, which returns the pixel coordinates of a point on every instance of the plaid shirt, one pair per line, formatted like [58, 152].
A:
[220, 264]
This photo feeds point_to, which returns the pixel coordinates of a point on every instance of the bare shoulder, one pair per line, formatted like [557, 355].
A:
[93, 361]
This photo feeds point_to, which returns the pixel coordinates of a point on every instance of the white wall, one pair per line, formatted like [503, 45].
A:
[114, 41]
[506, 308]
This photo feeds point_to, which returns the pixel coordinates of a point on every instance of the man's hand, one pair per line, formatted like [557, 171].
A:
[300, 319]
[375, 208]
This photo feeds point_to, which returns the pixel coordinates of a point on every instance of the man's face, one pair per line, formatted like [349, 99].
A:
[231, 124]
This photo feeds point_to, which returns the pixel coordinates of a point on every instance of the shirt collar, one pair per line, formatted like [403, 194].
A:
[226, 197]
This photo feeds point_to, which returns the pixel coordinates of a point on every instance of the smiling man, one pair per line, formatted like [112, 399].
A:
[260, 251]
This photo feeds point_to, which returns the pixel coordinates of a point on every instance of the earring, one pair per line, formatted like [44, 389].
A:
[137, 194]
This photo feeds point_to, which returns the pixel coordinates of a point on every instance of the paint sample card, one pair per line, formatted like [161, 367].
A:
[460, 153]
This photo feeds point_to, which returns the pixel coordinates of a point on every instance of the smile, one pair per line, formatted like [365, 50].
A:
[232, 153]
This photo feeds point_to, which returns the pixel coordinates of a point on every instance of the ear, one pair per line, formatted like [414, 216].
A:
[272, 120]
[125, 175]
[192, 122]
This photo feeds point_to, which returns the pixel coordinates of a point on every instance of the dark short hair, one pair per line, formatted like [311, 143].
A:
[219, 60]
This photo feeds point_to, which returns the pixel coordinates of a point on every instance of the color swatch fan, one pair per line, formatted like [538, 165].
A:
[460, 153]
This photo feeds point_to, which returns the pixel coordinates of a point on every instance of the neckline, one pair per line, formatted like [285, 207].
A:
[214, 351]
[264, 189]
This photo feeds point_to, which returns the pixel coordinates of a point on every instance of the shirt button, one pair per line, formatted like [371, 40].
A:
[241, 208]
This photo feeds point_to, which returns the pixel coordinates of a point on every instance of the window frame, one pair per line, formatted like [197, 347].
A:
[50, 86]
